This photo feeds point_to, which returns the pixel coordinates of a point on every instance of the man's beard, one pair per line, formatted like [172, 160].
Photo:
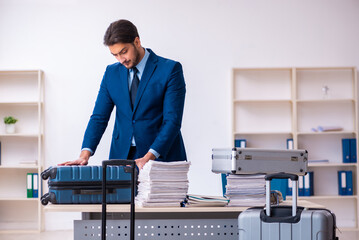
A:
[137, 57]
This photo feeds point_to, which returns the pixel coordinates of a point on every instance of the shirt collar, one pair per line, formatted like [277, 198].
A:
[141, 65]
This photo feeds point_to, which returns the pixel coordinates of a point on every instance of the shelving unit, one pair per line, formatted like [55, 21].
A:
[21, 96]
[271, 105]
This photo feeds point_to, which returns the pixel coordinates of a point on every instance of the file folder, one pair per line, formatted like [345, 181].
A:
[290, 143]
[29, 185]
[224, 183]
[301, 186]
[289, 189]
[346, 150]
[353, 150]
[35, 184]
[345, 182]
[308, 184]
[342, 183]
[241, 143]
[349, 179]
[311, 183]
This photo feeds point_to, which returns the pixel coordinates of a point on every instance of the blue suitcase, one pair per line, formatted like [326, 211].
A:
[83, 184]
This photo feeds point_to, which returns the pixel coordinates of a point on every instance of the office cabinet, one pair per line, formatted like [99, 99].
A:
[21, 153]
[271, 105]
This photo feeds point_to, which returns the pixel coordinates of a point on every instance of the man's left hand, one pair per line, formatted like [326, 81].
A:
[140, 162]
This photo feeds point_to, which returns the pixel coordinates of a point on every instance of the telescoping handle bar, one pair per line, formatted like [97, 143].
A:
[132, 164]
[294, 179]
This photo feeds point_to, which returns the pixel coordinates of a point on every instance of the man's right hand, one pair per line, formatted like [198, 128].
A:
[82, 160]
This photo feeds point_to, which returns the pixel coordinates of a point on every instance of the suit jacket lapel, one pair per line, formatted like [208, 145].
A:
[147, 73]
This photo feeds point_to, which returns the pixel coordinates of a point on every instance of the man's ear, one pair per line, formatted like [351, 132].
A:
[137, 42]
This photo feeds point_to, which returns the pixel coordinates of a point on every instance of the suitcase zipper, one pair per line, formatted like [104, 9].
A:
[89, 184]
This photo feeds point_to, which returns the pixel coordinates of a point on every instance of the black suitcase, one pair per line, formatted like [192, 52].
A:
[132, 165]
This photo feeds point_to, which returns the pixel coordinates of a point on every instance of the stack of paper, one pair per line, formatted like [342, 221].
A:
[162, 184]
[205, 201]
[245, 190]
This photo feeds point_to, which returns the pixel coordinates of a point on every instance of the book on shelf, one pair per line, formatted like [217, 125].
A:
[0, 153]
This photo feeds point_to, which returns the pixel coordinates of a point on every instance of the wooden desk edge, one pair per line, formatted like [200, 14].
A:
[126, 208]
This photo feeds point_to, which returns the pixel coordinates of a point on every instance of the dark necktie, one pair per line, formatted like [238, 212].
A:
[134, 86]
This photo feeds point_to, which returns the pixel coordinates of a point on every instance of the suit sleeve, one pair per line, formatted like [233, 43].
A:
[173, 105]
[99, 118]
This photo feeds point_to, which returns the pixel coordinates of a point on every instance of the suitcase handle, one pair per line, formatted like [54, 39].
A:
[117, 162]
[282, 175]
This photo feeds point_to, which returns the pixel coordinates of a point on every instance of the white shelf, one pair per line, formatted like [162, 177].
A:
[271, 105]
[21, 96]
[24, 166]
[348, 229]
[332, 165]
[327, 133]
[32, 103]
[262, 133]
[262, 100]
[31, 135]
[349, 100]
[20, 199]
[335, 197]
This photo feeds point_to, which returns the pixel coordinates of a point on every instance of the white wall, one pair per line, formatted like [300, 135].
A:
[64, 39]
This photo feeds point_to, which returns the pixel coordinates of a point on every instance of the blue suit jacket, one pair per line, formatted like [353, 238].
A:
[156, 118]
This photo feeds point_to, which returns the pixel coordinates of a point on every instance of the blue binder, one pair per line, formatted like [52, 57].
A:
[224, 183]
[309, 184]
[241, 143]
[353, 150]
[349, 178]
[290, 143]
[301, 186]
[289, 188]
[35, 185]
[345, 182]
[346, 150]
[280, 185]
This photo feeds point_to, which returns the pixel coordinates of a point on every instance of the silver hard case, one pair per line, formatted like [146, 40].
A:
[253, 161]
[304, 224]
[315, 224]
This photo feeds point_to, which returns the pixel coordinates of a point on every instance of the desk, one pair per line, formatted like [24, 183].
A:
[159, 223]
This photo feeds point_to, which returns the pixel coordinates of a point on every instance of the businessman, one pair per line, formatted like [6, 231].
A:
[148, 92]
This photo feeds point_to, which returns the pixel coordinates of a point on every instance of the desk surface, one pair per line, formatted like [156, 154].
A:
[126, 208]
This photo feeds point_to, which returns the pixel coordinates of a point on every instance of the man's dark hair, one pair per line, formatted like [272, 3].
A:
[121, 31]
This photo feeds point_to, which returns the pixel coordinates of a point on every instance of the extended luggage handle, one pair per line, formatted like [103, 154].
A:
[282, 175]
[132, 165]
